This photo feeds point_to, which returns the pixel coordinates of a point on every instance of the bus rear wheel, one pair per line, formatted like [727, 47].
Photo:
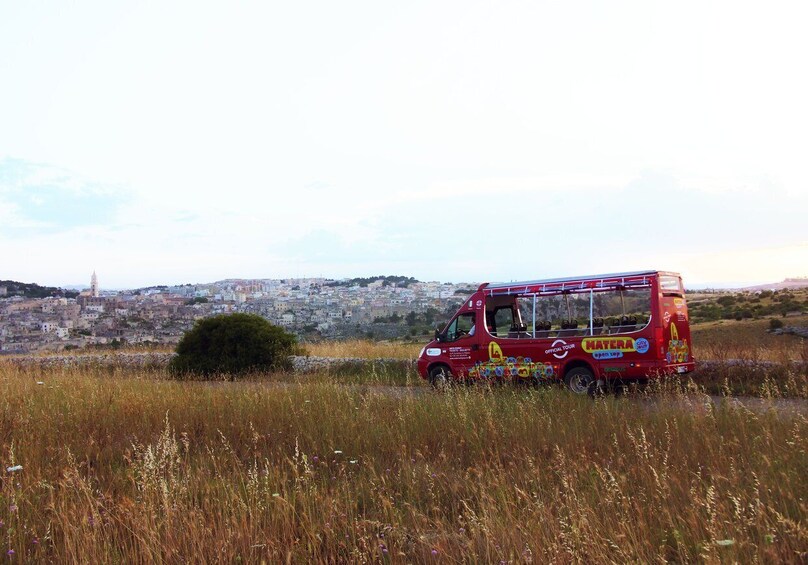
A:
[579, 379]
[440, 377]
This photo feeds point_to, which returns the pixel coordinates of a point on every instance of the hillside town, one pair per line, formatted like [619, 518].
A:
[313, 308]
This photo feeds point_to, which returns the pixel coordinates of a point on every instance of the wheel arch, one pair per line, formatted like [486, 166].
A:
[575, 363]
[432, 366]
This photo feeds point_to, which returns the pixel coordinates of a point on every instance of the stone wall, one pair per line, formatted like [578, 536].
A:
[301, 364]
[132, 360]
[793, 330]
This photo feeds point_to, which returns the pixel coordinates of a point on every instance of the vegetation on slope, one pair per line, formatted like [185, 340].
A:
[33, 290]
[707, 307]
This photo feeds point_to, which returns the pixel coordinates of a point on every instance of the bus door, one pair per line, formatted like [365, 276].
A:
[510, 352]
[676, 325]
[461, 343]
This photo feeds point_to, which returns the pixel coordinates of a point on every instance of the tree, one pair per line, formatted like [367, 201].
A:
[233, 344]
[728, 300]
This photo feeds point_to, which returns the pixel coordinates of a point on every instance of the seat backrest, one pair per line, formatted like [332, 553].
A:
[543, 328]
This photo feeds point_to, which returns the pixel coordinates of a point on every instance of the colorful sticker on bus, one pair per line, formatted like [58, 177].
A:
[678, 350]
[624, 344]
[499, 366]
[607, 354]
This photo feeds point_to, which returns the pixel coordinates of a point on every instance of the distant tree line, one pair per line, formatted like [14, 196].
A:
[744, 306]
[387, 280]
[33, 290]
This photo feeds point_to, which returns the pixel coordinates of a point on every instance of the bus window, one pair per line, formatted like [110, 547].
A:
[670, 285]
[555, 312]
[623, 310]
[460, 327]
[503, 320]
[612, 311]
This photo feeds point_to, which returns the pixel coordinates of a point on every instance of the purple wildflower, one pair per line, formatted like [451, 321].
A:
[434, 552]
[13, 508]
[10, 552]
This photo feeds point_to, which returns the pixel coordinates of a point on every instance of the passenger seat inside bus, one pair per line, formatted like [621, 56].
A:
[597, 326]
[624, 324]
[543, 328]
[568, 328]
[518, 331]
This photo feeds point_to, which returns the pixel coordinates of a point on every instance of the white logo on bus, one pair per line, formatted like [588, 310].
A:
[559, 349]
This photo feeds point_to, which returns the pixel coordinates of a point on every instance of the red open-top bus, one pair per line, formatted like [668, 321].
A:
[587, 330]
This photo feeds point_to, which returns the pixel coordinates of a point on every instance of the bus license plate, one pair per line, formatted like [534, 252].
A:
[681, 370]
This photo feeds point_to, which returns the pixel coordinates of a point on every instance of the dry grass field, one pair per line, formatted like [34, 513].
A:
[365, 349]
[368, 464]
[748, 340]
[131, 467]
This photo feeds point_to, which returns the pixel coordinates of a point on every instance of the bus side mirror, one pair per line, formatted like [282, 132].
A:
[438, 335]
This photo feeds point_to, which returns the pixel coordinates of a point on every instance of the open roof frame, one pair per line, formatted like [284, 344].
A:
[574, 285]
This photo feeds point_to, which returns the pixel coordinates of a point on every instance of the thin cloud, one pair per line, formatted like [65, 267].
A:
[42, 198]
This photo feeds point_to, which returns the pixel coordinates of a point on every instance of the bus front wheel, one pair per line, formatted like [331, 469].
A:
[440, 377]
[579, 379]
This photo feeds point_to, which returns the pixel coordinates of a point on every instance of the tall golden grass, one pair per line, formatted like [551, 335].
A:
[133, 468]
[364, 349]
[748, 340]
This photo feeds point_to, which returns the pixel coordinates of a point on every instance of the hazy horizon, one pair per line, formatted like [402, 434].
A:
[697, 285]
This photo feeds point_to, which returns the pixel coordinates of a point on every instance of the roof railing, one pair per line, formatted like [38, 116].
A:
[565, 287]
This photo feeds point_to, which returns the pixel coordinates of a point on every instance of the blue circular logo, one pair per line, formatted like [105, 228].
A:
[641, 345]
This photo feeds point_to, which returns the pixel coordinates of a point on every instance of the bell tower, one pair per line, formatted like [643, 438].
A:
[94, 285]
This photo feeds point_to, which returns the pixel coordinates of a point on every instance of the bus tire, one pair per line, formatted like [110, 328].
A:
[597, 389]
[579, 379]
[440, 377]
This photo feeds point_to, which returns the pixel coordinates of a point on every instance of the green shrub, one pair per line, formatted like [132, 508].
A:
[232, 344]
[727, 300]
[775, 324]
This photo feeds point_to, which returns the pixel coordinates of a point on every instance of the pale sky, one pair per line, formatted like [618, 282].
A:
[175, 142]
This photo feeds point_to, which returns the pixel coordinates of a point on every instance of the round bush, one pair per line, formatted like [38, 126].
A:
[233, 344]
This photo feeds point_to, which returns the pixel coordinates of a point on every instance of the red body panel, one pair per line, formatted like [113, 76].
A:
[661, 346]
